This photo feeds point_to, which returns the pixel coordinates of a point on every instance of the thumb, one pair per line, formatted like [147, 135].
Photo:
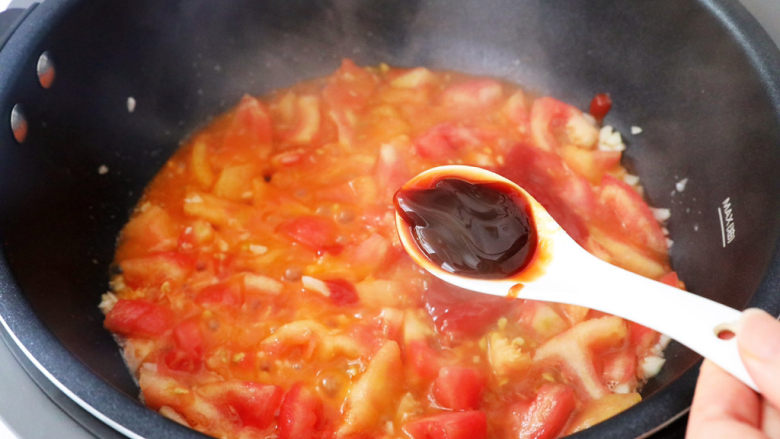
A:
[758, 339]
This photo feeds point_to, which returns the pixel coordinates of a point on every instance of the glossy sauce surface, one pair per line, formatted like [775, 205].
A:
[475, 229]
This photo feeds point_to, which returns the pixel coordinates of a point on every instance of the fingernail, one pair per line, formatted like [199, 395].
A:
[758, 335]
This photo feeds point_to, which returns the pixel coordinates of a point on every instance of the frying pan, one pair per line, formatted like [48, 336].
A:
[699, 77]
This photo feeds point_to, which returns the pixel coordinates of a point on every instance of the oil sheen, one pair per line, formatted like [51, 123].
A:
[480, 230]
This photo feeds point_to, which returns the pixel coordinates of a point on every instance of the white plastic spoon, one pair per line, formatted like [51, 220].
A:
[562, 271]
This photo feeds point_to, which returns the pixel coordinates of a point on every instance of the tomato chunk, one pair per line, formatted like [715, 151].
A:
[565, 195]
[255, 403]
[458, 388]
[251, 125]
[444, 140]
[460, 425]
[342, 292]
[225, 293]
[600, 106]
[545, 416]
[672, 280]
[457, 313]
[155, 269]
[137, 317]
[422, 358]
[548, 119]
[300, 416]
[317, 233]
[632, 215]
[187, 355]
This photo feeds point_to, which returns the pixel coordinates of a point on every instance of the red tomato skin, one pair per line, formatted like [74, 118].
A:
[300, 416]
[565, 195]
[137, 317]
[458, 425]
[624, 205]
[154, 269]
[437, 142]
[549, 115]
[459, 313]
[671, 279]
[546, 415]
[620, 367]
[251, 125]
[641, 337]
[445, 139]
[256, 405]
[423, 359]
[314, 232]
[342, 292]
[187, 355]
[227, 294]
[458, 388]
[600, 106]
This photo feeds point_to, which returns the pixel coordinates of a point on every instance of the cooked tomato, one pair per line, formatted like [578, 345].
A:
[600, 106]
[264, 256]
[548, 121]
[445, 140]
[625, 207]
[671, 279]
[642, 337]
[156, 269]
[458, 388]
[187, 354]
[250, 128]
[223, 293]
[567, 197]
[256, 404]
[300, 416]
[424, 361]
[460, 313]
[138, 317]
[461, 425]
[342, 292]
[314, 232]
[545, 416]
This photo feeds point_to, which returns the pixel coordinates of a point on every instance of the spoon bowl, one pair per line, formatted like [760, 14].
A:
[559, 270]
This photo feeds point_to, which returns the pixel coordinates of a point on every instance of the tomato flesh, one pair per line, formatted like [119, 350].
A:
[460, 425]
[546, 415]
[314, 232]
[136, 317]
[624, 207]
[300, 416]
[458, 388]
[256, 404]
[461, 313]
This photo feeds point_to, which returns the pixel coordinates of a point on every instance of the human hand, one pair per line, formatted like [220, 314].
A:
[722, 406]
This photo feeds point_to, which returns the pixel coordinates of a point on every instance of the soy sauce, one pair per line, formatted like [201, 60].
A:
[479, 230]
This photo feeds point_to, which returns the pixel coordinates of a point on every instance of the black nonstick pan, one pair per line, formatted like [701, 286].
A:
[701, 79]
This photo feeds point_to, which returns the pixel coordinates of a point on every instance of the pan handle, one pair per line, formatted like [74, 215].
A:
[10, 19]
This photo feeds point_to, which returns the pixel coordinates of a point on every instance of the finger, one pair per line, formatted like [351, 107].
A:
[770, 421]
[721, 397]
[758, 339]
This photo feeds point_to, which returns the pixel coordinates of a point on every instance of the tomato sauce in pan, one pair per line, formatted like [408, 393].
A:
[261, 290]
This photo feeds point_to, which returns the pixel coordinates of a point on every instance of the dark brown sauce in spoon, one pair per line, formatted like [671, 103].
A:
[482, 230]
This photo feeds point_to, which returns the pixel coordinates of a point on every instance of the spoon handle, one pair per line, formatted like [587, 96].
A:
[690, 319]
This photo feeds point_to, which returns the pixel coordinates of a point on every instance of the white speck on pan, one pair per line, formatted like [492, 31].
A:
[102, 169]
[680, 185]
[636, 130]
[130, 104]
